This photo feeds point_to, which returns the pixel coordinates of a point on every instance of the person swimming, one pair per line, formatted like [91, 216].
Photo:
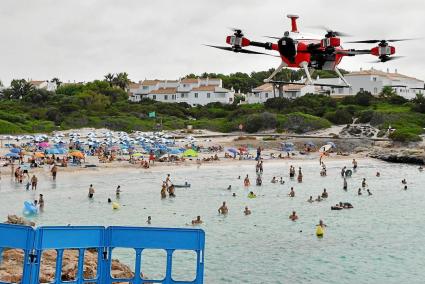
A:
[368, 192]
[281, 181]
[258, 181]
[91, 191]
[345, 186]
[405, 187]
[420, 168]
[246, 181]
[274, 180]
[223, 209]
[354, 164]
[163, 191]
[247, 211]
[229, 187]
[251, 195]
[343, 171]
[109, 200]
[318, 199]
[378, 174]
[291, 171]
[171, 191]
[337, 207]
[300, 175]
[364, 182]
[291, 193]
[293, 216]
[197, 221]
[403, 181]
[234, 194]
[359, 192]
[310, 199]
[149, 220]
[118, 191]
[324, 193]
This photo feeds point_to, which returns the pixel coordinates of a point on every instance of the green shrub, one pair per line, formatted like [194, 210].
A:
[301, 123]
[340, 116]
[7, 127]
[402, 135]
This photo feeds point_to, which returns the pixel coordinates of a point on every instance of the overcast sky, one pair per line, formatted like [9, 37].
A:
[83, 40]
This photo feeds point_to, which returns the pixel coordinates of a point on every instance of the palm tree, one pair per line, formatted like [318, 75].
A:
[110, 79]
[20, 89]
[121, 80]
[56, 81]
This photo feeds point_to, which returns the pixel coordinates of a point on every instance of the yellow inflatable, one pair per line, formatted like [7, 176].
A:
[319, 231]
[252, 195]
[115, 205]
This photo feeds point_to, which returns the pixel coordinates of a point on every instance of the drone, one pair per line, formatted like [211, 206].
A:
[300, 50]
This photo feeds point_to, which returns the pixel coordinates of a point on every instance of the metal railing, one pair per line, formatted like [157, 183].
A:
[33, 242]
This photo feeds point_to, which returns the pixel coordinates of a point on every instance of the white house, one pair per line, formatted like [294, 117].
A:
[266, 91]
[47, 85]
[373, 81]
[194, 91]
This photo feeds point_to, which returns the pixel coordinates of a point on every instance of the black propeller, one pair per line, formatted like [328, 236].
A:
[240, 50]
[330, 32]
[379, 40]
[385, 58]
[237, 32]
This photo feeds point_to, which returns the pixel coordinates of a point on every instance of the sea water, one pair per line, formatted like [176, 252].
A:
[380, 240]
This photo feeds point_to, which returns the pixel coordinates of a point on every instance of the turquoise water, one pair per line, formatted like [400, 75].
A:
[381, 240]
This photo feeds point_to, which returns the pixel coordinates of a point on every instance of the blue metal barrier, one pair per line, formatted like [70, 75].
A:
[104, 240]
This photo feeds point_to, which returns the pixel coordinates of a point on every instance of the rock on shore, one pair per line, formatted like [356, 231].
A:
[409, 156]
[11, 266]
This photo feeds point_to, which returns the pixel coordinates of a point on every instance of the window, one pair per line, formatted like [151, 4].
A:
[145, 88]
[208, 95]
[182, 96]
[196, 95]
[267, 95]
[375, 90]
[361, 90]
[374, 79]
[165, 97]
[185, 85]
[154, 97]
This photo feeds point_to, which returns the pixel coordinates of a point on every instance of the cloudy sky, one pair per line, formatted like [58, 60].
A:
[84, 39]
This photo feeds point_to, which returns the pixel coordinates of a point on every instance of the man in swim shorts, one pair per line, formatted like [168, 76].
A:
[223, 209]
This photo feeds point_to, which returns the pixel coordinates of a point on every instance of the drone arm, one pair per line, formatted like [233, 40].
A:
[353, 52]
[265, 45]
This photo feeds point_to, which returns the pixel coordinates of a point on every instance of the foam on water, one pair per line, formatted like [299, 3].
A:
[379, 241]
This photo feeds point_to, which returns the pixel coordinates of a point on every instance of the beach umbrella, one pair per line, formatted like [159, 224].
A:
[15, 150]
[25, 167]
[232, 150]
[325, 148]
[311, 144]
[175, 151]
[137, 154]
[77, 154]
[39, 154]
[190, 153]
[287, 146]
[332, 144]
[14, 155]
[43, 145]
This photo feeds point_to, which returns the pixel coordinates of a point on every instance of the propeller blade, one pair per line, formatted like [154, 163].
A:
[220, 47]
[328, 30]
[380, 40]
[240, 50]
[385, 59]
[273, 37]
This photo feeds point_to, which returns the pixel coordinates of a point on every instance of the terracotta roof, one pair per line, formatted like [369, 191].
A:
[204, 88]
[263, 88]
[190, 80]
[165, 91]
[150, 82]
[374, 72]
[134, 86]
[36, 83]
[292, 87]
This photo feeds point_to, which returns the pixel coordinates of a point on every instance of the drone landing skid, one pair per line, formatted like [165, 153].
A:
[304, 84]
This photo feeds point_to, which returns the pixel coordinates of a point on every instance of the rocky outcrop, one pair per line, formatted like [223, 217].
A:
[12, 261]
[409, 156]
[14, 219]
[358, 130]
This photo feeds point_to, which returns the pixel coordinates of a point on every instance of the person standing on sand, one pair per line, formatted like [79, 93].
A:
[34, 181]
[54, 171]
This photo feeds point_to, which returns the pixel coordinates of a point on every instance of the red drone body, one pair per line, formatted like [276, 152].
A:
[308, 51]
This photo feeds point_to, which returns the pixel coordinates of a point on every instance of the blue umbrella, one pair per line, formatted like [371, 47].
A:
[332, 144]
[14, 155]
[311, 144]
[175, 151]
[15, 150]
[232, 150]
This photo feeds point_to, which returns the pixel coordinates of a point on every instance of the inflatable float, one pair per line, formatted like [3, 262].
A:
[30, 208]
[319, 231]
[186, 185]
[115, 205]
[252, 195]
[348, 173]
